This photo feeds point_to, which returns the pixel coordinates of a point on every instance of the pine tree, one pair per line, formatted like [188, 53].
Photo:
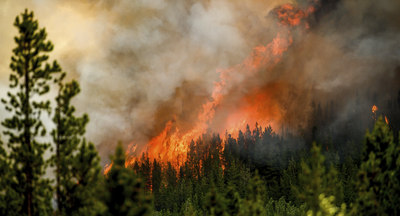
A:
[289, 180]
[30, 80]
[349, 176]
[232, 201]
[82, 182]
[232, 176]
[188, 209]
[146, 170]
[313, 182]
[156, 176]
[256, 197]
[214, 203]
[241, 144]
[126, 191]
[378, 183]
[77, 164]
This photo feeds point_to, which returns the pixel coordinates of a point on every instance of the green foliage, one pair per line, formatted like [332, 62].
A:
[125, 196]
[283, 208]
[9, 198]
[289, 179]
[77, 163]
[349, 177]
[327, 207]
[255, 199]
[378, 183]
[214, 203]
[80, 182]
[232, 201]
[30, 80]
[314, 181]
[188, 209]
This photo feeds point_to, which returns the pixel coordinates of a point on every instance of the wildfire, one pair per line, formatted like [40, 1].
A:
[374, 109]
[129, 155]
[107, 168]
[171, 145]
[386, 120]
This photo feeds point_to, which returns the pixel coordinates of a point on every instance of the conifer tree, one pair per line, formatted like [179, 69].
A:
[83, 182]
[188, 209]
[126, 191]
[289, 180]
[313, 182]
[232, 176]
[77, 164]
[30, 81]
[378, 186]
[156, 176]
[232, 201]
[214, 203]
[349, 176]
[256, 198]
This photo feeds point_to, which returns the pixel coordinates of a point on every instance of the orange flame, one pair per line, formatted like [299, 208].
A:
[107, 168]
[130, 159]
[386, 120]
[172, 145]
[374, 109]
[129, 155]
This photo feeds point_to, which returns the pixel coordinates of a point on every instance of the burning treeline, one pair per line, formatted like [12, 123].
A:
[243, 97]
[257, 106]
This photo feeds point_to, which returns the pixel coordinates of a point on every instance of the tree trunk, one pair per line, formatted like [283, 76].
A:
[58, 155]
[27, 135]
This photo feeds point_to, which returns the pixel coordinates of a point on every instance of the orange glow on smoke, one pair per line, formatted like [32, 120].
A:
[259, 107]
[291, 16]
[171, 145]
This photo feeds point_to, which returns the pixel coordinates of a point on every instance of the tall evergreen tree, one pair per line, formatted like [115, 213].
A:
[77, 163]
[232, 201]
[30, 79]
[126, 191]
[256, 197]
[156, 176]
[313, 182]
[378, 186]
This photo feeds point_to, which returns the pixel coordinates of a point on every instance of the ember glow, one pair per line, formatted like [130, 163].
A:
[172, 145]
[107, 168]
[374, 109]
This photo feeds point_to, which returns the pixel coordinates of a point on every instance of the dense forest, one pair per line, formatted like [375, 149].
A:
[319, 169]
